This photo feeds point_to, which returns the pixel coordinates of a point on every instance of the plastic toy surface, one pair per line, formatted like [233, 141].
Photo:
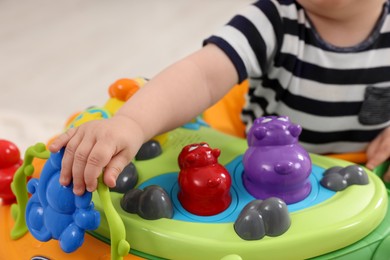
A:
[204, 183]
[275, 164]
[54, 212]
[186, 232]
[260, 218]
[9, 162]
[159, 223]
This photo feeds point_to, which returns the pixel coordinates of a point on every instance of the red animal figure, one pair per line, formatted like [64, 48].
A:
[9, 162]
[204, 183]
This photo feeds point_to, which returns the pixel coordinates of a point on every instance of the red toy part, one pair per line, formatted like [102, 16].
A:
[204, 183]
[9, 162]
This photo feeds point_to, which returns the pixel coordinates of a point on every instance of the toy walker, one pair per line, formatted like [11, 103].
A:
[197, 193]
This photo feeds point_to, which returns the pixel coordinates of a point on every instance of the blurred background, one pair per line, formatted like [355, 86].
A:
[59, 57]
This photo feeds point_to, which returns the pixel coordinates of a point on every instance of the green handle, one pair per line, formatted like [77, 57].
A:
[19, 188]
[119, 246]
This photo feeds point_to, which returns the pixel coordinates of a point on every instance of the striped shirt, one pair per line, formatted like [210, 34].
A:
[340, 96]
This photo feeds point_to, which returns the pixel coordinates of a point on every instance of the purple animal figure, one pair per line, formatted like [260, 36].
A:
[275, 165]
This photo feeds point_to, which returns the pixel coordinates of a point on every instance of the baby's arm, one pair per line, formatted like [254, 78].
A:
[172, 98]
[378, 151]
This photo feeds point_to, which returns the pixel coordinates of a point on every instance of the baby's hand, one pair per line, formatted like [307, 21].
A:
[108, 144]
[378, 151]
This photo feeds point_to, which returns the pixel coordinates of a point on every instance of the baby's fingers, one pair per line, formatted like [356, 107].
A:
[386, 176]
[100, 156]
[62, 140]
[114, 168]
[378, 153]
[68, 159]
[80, 160]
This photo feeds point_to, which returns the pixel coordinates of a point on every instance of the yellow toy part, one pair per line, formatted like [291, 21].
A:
[113, 104]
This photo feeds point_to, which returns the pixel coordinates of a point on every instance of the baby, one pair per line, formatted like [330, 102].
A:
[323, 63]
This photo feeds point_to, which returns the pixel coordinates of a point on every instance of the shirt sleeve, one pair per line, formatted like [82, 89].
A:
[250, 38]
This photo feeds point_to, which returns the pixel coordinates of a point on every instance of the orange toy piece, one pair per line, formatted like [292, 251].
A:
[225, 115]
[123, 89]
[358, 157]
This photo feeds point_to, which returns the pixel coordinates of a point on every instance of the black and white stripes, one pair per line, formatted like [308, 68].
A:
[293, 72]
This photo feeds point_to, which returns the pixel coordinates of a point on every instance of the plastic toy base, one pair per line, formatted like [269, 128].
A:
[358, 211]
[27, 247]
[358, 229]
